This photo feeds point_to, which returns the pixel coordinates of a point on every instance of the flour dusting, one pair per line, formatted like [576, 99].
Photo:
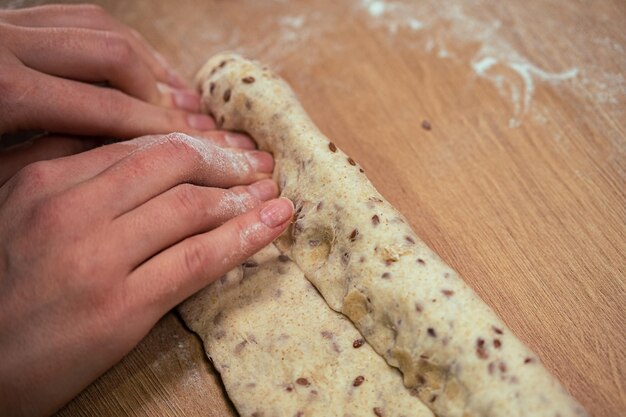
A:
[294, 22]
[520, 94]
[222, 160]
[232, 204]
[414, 24]
[496, 60]
[482, 65]
[175, 356]
[250, 233]
[375, 8]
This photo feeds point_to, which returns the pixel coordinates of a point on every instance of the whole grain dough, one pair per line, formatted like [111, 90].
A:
[362, 256]
[281, 351]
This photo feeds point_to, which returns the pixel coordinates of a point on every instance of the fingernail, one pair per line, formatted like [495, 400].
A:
[264, 190]
[186, 99]
[200, 121]
[277, 212]
[238, 140]
[260, 161]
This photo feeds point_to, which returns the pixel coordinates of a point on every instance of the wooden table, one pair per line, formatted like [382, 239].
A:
[519, 183]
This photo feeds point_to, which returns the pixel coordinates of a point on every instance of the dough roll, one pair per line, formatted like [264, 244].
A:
[455, 354]
[281, 351]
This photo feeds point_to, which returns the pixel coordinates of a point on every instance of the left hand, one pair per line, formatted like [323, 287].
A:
[52, 57]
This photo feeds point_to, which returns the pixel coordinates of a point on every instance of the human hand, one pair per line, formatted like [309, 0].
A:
[49, 55]
[96, 247]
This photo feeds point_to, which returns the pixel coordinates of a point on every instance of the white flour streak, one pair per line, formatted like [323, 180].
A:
[605, 87]
[232, 204]
[290, 29]
[526, 71]
[481, 66]
[414, 24]
[375, 8]
[391, 15]
[221, 159]
[520, 93]
[495, 60]
[294, 22]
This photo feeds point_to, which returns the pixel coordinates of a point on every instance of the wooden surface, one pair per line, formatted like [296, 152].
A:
[519, 185]
[165, 375]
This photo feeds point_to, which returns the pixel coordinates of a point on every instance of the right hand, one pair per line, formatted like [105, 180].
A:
[96, 247]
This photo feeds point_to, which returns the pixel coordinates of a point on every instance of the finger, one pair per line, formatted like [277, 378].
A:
[183, 211]
[183, 99]
[41, 101]
[91, 16]
[161, 67]
[49, 147]
[87, 55]
[67, 171]
[160, 165]
[91, 163]
[176, 273]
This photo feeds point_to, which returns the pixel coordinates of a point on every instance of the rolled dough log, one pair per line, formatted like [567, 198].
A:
[281, 351]
[362, 256]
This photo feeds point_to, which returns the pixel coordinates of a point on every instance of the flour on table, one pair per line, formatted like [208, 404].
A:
[520, 93]
[518, 85]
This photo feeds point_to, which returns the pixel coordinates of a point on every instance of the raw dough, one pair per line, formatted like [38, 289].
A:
[367, 263]
[281, 351]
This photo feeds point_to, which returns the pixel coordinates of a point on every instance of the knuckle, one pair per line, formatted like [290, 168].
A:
[17, 88]
[187, 199]
[249, 200]
[33, 178]
[242, 201]
[8, 87]
[119, 51]
[179, 145]
[114, 106]
[194, 258]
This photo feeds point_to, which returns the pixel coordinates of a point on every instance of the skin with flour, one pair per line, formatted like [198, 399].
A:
[360, 253]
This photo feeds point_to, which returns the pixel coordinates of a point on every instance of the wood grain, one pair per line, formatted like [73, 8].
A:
[165, 375]
[528, 205]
